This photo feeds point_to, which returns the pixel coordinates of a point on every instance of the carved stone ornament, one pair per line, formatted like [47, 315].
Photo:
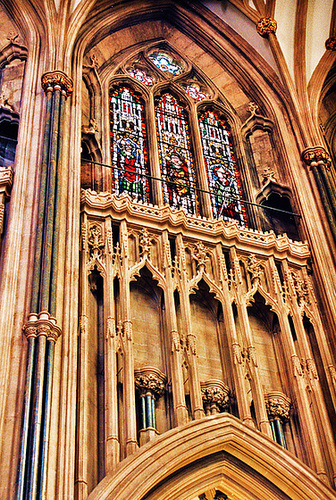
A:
[191, 343]
[277, 405]
[96, 243]
[297, 366]
[200, 255]
[253, 108]
[330, 43]
[315, 156]
[300, 288]
[237, 353]
[311, 369]
[42, 324]
[266, 25]
[268, 175]
[176, 341]
[145, 242]
[6, 181]
[149, 380]
[215, 395]
[12, 37]
[254, 267]
[83, 324]
[57, 79]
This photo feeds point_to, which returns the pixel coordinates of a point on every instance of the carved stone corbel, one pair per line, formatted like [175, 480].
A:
[277, 405]
[150, 380]
[216, 396]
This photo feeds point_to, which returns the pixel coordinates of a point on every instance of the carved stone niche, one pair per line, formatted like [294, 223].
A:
[277, 196]
[258, 131]
[150, 384]
[216, 396]
[278, 406]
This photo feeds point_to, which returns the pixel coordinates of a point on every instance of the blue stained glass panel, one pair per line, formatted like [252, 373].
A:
[165, 63]
[177, 168]
[128, 145]
[223, 176]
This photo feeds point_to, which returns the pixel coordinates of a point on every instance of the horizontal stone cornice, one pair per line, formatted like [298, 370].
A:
[211, 231]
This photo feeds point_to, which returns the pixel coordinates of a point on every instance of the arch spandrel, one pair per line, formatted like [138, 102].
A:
[246, 460]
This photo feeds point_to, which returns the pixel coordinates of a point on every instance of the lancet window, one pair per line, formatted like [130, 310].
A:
[177, 170]
[128, 144]
[224, 182]
[185, 178]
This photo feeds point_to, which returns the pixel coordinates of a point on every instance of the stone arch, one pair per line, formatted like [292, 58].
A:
[239, 459]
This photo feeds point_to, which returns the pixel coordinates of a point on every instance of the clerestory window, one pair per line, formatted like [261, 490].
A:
[166, 130]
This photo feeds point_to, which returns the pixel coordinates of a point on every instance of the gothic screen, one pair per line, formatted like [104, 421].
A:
[177, 169]
[223, 177]
[129, 156]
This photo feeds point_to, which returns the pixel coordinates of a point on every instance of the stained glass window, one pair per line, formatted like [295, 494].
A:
[176, 162]
[141, 75]
[224, 179]
[194, 91]
[165, 63]
[128, 144]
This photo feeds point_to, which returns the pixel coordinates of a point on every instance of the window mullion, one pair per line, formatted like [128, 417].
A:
[154, 153]
[204, 196]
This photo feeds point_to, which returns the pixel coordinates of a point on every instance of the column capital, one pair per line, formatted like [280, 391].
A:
[330, 43]
[150, 380]
[315, 156]
[57, 79]
[266, 25]
[277, 405]
[42, 324]
[215, 395]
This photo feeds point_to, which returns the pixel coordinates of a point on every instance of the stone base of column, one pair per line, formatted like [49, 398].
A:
[147, 435]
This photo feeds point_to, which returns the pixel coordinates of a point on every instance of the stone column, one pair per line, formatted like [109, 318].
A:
[176, 349]
[41, 329]
[41, 332]
[150, 384]
[278, 406]
[319, 161]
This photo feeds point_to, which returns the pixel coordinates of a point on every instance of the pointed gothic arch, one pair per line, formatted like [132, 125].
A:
[178, 456]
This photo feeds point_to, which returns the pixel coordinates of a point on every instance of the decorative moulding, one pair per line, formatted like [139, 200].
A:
[164, 217]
